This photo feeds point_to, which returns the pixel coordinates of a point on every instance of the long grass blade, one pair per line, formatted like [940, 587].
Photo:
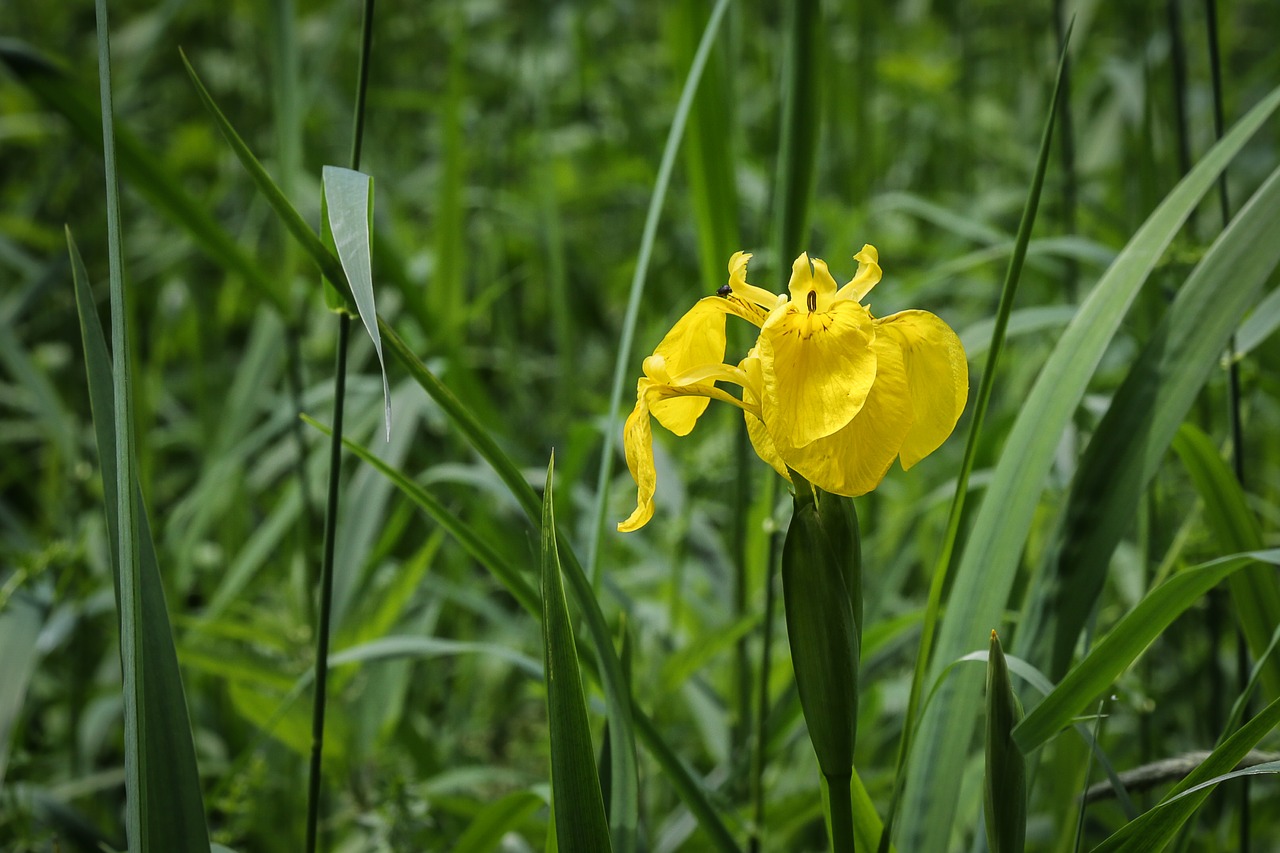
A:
[1154, 829]
[942, 566]
[166, 782]
[1133, 436]
[1125, 642]
[985, 573]
[576, 801]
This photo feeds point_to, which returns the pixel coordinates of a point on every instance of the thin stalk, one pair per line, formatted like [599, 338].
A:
[1233, 385]
[741, 732]
[335, 470]
[326, 584]
[762, 695]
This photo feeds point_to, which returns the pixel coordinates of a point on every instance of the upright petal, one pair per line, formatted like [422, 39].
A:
[867, 276]
[855, 459]
[750, 295]
[637, 443]
[937, 376]
[817, 368]
[812, 287]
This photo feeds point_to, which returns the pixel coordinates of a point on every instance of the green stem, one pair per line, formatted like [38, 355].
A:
[762, 696]
[326, 583]
[839, 799]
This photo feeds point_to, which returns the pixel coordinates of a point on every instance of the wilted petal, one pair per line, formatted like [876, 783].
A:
[937, 378]
[855, 459]
[817, 370]
[637, 442]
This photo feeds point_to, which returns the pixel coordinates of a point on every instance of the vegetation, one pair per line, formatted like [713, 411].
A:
[554, 185]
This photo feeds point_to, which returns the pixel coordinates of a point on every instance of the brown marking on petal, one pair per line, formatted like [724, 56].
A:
[813, 301]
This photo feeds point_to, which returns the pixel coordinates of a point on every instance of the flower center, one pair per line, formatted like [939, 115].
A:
[812, 300]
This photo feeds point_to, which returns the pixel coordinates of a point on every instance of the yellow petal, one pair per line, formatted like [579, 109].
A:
[637, 443]
[812, 287]
[697, 339]
[855, 459]
[748, 294]
[937, 376]
[817, 370]
[867, 276]
[752, 389]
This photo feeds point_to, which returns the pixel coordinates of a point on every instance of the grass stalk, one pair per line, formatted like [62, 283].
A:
[319, 700]
[758, 752]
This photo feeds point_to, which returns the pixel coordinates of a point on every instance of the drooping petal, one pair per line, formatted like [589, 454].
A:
[817, 368]
[697, 339]
[867, 276]
[637, 443]
[937, 377]
[855, 459]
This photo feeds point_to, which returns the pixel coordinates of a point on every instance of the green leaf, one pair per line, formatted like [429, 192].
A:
[1154, 829]
[168, 795]
[942, 566]
[1125, 642]
[1260, 325]
[581, 826]
[1004, 790]
[1129, 444]
[347, 211]
[1254, 593]
[984, 576]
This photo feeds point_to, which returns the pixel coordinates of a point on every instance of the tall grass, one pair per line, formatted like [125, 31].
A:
[556, 186]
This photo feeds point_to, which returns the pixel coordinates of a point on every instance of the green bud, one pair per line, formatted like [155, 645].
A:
[1004, 789]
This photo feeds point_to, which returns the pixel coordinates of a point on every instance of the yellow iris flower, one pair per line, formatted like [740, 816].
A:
[828, 390]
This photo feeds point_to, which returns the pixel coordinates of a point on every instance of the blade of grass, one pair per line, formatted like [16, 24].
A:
[986, 385]
[1131, 440]
[1154, 829]
[576, 801]
[1254, 593]
[347, 198]
[1125, 642]
[163, 805]
[985, 573]
[164, 780]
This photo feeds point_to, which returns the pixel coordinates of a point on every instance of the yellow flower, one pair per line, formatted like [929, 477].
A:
[828, 390]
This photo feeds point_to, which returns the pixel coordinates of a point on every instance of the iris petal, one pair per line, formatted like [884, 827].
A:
[752, 390]
[637, 441]
[937, 378]
[855, 459]
[818, 368]
[697, 339]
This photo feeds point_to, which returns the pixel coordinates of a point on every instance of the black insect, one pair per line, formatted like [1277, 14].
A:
[724, 290]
